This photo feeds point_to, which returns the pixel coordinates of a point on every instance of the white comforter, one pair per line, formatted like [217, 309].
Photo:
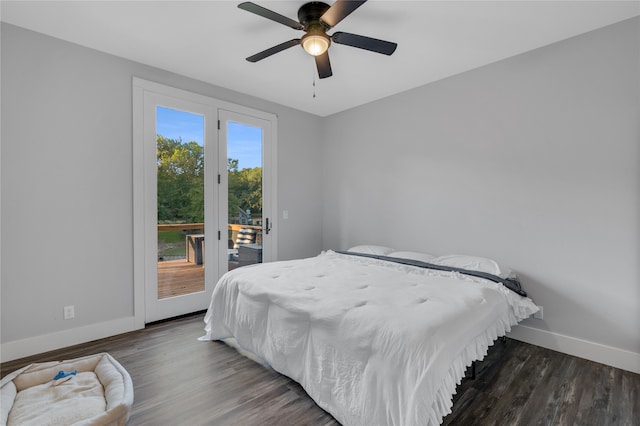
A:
[372, 342]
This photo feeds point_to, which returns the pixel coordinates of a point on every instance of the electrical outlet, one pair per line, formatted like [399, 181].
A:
[69, 312]
[539, 315]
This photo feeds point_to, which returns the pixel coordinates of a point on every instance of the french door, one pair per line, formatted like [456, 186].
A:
[203, 178]
[245, 196]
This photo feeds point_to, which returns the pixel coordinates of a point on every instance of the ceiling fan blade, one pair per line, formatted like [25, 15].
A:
[366, 43]
[340, 10]
[324, 66]
[269, 14]
[273, 50]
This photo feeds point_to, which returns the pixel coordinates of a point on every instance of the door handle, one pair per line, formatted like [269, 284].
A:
[267, 227]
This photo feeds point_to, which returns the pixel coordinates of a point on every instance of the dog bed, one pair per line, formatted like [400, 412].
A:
[99, 393]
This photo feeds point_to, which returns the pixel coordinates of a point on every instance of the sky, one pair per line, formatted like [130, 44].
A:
[245, 142]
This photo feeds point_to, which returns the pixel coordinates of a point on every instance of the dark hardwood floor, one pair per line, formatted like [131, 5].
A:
[179, 380]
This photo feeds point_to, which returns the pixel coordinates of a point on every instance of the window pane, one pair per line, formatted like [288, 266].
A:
[244, 164]
[180, 162]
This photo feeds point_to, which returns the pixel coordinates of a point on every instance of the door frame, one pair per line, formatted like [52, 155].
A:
[141, 217]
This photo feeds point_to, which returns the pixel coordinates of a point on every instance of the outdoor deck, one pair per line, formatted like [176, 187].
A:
[176, 277]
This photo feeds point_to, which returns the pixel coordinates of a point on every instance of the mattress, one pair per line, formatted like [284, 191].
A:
[372, 342]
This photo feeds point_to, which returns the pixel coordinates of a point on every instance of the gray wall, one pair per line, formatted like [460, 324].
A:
[533, 161]
[67, 209]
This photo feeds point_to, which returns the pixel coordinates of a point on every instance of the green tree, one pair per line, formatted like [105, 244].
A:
[180, 180]
[181, 183]
[245, 188]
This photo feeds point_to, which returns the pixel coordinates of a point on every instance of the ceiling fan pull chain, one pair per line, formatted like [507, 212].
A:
[314, 83]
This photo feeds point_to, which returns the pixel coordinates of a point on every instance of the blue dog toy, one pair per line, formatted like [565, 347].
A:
[63, 376]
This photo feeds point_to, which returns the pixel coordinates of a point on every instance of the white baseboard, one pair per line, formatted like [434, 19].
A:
[608, 355]
[74, 336]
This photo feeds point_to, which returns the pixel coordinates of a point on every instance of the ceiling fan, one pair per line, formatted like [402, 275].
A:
[315, 19]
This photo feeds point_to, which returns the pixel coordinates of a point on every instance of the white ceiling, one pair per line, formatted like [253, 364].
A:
[209, 41]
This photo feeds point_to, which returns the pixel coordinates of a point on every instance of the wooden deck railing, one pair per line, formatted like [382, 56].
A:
[233, 228]
[180, 226]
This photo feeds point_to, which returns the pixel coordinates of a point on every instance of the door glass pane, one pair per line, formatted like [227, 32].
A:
[244, 164]
[180, 161]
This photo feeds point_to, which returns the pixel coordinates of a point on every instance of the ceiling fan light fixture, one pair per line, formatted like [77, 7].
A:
[315, 44]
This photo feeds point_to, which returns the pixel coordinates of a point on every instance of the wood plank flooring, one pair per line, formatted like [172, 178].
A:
[179, 380]
[177, 277]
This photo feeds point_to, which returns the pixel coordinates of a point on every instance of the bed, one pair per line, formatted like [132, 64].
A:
[375, 337]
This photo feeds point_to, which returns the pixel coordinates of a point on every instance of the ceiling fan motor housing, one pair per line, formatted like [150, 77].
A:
[309, 15]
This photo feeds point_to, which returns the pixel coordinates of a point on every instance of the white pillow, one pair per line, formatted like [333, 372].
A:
[412, 255]
[473, 263]
[369, 249]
